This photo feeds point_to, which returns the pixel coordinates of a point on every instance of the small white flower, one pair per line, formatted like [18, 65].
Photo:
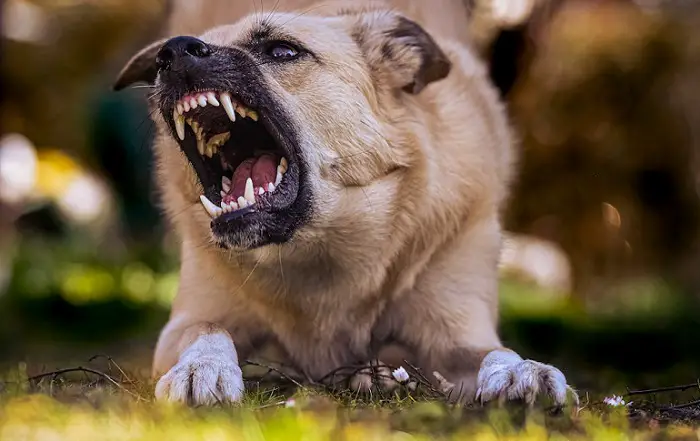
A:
[615, 401]
[290, 402]
[400, 375]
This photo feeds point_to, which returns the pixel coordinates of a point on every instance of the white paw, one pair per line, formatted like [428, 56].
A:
[206, 374]
[505, 376]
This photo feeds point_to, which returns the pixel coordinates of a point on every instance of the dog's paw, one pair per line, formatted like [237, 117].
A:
[505, 376]
[206, 374]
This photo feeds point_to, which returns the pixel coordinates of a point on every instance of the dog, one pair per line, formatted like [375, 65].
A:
[336, 178]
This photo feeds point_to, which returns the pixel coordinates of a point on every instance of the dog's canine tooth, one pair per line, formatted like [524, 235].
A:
[225, 98]
[186, 105]
[179, 125]
[270, 187]
[209, 206]
[242, 203]
[211, 97]
[193, 103]
[281, 170]
[249, 192]
[202, 100]
[179, 108]
[278, 178]
[201, 148]
[253, 115]
[284, 164]
[226, 184]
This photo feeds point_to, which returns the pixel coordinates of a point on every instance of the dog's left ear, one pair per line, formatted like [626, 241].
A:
[399, 51]
[141, 67]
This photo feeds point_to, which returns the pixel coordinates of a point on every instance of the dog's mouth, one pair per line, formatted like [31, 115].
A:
[242, 166]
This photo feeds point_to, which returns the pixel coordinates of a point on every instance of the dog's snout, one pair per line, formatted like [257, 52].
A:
[178, 49]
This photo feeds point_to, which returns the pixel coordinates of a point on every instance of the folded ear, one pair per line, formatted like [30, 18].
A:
[400, 51]
[141, 67]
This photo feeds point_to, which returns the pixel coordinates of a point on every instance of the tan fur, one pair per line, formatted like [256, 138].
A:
[403, 246]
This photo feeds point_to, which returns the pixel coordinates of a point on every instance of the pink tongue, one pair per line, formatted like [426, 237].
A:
[262, 170]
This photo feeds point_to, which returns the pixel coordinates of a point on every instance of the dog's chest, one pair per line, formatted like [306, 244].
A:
[318, 343]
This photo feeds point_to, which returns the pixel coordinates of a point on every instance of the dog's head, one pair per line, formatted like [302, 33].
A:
[278, 117]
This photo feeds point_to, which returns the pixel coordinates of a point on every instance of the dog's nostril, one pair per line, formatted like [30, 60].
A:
[164, 58]
[198, 48]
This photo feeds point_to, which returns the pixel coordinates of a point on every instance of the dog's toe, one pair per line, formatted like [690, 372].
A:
[518, 379]
[202, 376]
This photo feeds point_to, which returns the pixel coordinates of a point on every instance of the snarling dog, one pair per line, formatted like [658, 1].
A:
[336, 181]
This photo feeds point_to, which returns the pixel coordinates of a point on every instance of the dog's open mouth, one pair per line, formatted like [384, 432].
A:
[242, 167]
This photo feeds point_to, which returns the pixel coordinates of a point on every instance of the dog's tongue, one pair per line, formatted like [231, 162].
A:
[262, 170]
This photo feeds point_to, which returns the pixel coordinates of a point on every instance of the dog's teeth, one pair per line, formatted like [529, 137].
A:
[179, 108]
[209, 206]
[193, 103]
[249, 192]
[242, 203]
[227, 208]
[284, 164]
[226, 184]
[211, 97]
[201, 147]
[179, 125]
[219, 139]
[261, 191]
[202, 100]
[241, 111]
[186, 106]
[270, 187]
[253, 115]
[278, 178]
[228, 106]
[223, 193]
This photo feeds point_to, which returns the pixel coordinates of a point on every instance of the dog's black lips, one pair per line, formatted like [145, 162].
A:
[277, 215]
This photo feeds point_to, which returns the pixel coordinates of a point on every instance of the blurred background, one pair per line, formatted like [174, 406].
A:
[601, 268]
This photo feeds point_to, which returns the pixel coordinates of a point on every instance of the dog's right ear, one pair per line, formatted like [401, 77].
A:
[141, 67]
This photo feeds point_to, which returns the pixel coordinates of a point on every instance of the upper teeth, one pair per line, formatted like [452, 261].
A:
[231, 202]
[231, 107]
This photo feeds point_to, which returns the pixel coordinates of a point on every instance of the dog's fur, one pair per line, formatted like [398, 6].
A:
[409, 157]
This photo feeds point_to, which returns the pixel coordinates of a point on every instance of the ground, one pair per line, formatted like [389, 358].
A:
[102, 400]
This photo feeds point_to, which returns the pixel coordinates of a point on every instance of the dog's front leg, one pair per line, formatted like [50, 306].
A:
[451, 317]
[206, 371]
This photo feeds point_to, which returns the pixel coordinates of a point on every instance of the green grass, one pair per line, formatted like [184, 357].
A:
[79, 407]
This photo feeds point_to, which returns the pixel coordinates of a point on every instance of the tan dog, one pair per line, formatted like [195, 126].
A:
[336, 179]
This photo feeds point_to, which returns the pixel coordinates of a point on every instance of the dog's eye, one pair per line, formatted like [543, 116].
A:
[282, 51]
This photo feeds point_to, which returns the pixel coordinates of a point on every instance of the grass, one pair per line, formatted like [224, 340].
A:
[79, 406]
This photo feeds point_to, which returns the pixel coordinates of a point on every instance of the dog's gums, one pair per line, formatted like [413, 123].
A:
[252, 167]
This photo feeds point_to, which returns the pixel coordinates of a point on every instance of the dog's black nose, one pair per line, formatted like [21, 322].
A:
[180, 48]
